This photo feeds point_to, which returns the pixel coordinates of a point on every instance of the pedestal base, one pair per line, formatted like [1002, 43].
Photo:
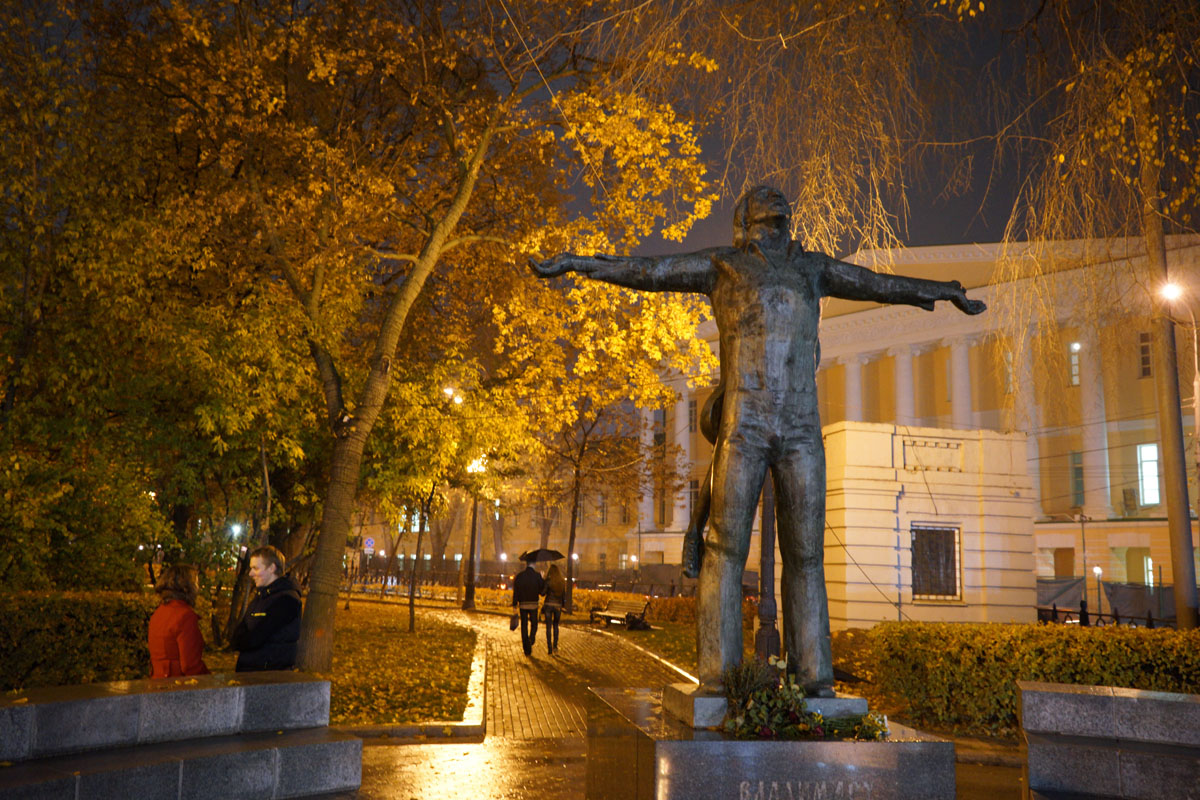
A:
[698, 709]
[636, 751]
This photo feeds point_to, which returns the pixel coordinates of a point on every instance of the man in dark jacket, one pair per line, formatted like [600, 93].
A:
[270, 629]
[527, 591]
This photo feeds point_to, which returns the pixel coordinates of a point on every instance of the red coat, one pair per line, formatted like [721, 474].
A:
[176, 646]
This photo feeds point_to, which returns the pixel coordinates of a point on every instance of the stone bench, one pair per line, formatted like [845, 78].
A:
[1104, 741]
[66, 719]
[261, 734]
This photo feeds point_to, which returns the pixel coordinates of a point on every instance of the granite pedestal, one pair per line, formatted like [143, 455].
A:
[1105, 741]
[636, 751]
[695, 708]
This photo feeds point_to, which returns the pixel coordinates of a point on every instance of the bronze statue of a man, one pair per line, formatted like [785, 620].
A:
[765, 292]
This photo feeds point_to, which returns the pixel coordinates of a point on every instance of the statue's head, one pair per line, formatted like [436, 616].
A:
[758, 204]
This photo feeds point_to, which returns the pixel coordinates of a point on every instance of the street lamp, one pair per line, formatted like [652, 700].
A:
[1172, 292]
[1182, 552]
[1099, 597]
[476, 467]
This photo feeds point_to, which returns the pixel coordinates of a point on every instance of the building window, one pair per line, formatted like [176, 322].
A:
[555, 515]
[691, 416]
[693, 496]
[1144, 365]
[603, 561]
[625, 513]
[496, 510]
[1073, 363]
[1076, 478]
[660, 505]
[623, 560]
[935, 563]
[660, 427]
[602, 510]
[1147, 458]
[579, 513]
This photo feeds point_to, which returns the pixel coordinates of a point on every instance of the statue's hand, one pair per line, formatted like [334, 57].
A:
[552, 267]
[958, 296]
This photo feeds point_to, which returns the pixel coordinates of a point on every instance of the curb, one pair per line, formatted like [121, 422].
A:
[472, 726]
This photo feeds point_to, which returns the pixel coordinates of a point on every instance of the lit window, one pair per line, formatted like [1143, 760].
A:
[1147, 457]
[1074, 363]
[1144, 365]
[935, 573]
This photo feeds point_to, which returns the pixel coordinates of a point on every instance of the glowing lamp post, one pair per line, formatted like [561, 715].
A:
[1182, 566]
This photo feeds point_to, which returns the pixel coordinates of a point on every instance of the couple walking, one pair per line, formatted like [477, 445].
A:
[528, 587]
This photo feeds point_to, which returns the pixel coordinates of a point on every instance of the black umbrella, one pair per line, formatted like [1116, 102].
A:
[541, 554]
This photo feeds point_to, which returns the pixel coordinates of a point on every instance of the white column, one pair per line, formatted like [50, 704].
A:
[682, 438]
[961, 414]
[903, 356]
[854, 401]
[1097, 502]
[1029, 416]
[646, 506]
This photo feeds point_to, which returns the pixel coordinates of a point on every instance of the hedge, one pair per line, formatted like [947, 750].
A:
[59, 638]
[964, 675]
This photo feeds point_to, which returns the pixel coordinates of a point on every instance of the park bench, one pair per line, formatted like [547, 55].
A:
[622, 611]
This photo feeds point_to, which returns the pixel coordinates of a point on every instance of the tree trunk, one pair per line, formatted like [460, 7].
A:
[412, 578]
[468, 603]
[544, 522]
[568, 601]
[352, 429]
[316, 640]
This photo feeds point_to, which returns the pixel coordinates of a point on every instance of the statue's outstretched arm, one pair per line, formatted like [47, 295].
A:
[686, 272]
[852, 282]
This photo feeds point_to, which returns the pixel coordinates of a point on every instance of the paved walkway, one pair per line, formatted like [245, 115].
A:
[536, 720]
[545, 696]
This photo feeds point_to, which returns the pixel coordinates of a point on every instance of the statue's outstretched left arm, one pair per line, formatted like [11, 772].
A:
[852, 282]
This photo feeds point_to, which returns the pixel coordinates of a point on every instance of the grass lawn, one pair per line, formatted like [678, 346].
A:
[675, 641]
[382, 674]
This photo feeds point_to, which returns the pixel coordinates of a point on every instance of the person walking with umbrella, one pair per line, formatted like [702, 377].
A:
[527, 591]
[555, 591]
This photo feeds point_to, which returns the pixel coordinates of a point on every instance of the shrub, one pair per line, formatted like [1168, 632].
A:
[58, 638]
[966, 675]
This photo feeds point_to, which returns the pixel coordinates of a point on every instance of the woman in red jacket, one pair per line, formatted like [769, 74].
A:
[176, 646]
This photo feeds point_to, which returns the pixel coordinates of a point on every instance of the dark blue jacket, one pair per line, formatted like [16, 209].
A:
[267, 635]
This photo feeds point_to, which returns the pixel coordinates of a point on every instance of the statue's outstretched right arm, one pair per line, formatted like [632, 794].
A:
[686, 272]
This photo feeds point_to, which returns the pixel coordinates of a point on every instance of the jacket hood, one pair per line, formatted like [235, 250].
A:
[279, 585]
